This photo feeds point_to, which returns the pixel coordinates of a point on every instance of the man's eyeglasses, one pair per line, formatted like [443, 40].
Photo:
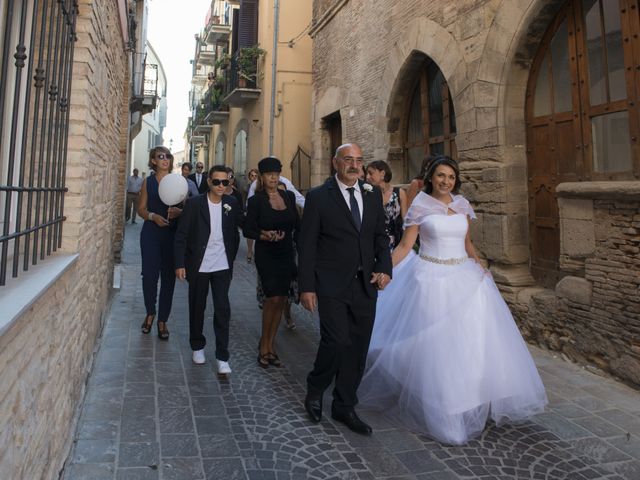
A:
[216, 182]
[162, 156]
[199, 167]
[353, 160]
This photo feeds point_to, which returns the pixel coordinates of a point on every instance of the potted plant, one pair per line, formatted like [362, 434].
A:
[223, 61]
[248, 63]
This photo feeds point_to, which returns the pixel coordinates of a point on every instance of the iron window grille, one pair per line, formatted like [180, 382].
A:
[35, 84]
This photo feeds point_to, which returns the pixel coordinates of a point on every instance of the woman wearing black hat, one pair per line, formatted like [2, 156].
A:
[273, 221]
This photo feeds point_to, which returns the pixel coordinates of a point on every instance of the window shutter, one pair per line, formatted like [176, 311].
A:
[248, 28]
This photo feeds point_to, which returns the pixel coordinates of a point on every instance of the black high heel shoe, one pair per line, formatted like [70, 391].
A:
[147, 324]
[163, 331]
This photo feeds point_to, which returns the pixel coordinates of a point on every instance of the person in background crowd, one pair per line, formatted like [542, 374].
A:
[231, 188]
[199, 178]
[394, 199]
[191, 185]
[273, 221]
[251, 177]
[156, 243]
[134, 184]
[206, 245]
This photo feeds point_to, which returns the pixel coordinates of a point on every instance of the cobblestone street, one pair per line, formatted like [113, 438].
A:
[149, 413]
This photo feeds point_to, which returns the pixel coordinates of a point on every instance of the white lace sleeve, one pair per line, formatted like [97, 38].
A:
[420, 208]
[462, 205]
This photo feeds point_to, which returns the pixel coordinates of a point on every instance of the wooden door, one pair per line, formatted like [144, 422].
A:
[581, 114]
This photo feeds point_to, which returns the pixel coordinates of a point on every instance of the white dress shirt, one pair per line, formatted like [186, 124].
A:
[357, 193]
[198, 179]
[134, 184]
[215, 256]
[288, 184]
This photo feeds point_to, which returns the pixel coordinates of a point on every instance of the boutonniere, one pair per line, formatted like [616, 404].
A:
[367, 188]
[227, 208]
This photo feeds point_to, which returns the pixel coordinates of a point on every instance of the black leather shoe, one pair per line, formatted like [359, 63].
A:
[351, 420]
[313, 406]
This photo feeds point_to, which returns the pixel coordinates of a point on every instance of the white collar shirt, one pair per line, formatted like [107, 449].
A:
[215, 255]
[357, 193]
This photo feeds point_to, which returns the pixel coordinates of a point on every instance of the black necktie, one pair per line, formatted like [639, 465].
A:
[355, 211]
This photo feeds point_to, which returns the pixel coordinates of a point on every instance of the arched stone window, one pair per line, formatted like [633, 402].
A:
[220, 151]
[430, 118]
[582, 113]
[240, 153]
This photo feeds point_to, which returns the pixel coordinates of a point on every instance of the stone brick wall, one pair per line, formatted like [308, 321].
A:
[46, 355]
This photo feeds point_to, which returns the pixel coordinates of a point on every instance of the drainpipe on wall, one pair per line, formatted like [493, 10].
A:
[274, 64]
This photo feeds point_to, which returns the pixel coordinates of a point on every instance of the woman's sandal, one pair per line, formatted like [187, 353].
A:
[147, 324]
[263, 360]
[163, 332]
[273, 359]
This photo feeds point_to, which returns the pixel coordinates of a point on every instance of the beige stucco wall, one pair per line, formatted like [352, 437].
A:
[292, 124]
[362, 57]
[45, 356]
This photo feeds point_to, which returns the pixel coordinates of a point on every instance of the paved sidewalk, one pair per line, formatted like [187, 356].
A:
[149, 413]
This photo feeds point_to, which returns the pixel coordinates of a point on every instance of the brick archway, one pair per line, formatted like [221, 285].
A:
[429, 38]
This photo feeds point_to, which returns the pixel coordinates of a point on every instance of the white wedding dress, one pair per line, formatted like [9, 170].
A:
[445, 353]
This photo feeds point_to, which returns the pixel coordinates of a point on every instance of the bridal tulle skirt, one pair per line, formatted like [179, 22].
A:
[446, 355]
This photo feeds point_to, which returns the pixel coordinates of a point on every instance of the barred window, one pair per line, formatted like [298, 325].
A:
[36, 47]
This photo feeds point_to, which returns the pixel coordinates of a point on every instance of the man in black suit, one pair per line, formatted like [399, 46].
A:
[206, 244]
[344, 259]
[199, 178]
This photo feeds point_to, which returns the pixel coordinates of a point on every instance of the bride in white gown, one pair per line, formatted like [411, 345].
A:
[445, 353]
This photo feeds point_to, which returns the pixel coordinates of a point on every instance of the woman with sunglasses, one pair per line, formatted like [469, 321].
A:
[156, 243]
[273, 221]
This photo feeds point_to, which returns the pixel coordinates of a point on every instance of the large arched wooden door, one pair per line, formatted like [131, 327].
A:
[582, 113]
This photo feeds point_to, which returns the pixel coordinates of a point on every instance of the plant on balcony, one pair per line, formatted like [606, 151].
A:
[223, 61]
[219, 82]
[248, 62]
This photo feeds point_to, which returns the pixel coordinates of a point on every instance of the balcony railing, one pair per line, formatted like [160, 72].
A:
[145, 97]
[210, 110]
[206, 55]
[241, 81]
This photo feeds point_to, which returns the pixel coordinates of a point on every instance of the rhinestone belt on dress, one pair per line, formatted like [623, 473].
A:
[444, 261]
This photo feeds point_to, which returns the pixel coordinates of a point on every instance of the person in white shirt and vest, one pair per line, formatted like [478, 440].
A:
[206, 245]
[134, 184]
[200, 178]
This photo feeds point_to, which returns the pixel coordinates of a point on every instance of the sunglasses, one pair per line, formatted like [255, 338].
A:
[217, 182]
[162, 156]
[199, 167]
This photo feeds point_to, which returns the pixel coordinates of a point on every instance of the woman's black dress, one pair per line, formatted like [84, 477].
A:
[275, 261]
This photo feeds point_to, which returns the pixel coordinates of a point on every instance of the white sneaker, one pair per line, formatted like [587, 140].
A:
[198, 357]
[223, 367]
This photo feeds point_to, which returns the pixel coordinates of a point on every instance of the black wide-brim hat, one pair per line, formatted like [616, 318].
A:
[269, 164]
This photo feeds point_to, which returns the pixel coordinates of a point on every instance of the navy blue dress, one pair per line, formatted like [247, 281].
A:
[156, 246]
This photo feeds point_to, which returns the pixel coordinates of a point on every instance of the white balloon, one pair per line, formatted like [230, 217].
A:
[173, 189]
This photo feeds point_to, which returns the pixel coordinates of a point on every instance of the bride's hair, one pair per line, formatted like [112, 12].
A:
[435, 163]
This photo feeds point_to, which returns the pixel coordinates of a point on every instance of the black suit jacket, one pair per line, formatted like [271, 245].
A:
[204, 186]
[331, 249]
[194, 229]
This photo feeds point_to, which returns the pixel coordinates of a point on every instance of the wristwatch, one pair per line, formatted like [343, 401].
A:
[150, 217]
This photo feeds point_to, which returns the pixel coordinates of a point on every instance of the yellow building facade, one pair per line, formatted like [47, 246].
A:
[252, 88]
